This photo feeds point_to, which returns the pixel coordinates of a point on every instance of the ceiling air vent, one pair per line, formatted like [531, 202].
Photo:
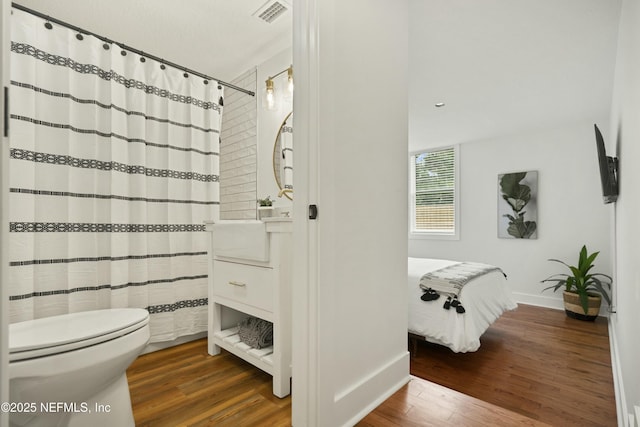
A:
[271, 10]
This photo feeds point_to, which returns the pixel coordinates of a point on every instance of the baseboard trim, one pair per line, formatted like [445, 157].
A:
[539, 300]
[371, 391]
[155, 346]
[618, 384]
[556, 303]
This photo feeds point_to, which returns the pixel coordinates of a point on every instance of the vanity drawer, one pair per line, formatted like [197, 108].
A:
[246, 284]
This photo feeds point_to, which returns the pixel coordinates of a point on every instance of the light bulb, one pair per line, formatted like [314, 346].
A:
[269, 98]
[290, 79]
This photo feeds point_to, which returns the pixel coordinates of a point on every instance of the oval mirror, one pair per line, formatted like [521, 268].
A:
[283, 157]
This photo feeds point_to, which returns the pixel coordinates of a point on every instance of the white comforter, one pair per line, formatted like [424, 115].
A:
[484, 299]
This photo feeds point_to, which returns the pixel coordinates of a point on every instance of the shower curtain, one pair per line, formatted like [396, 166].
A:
[114, 168]
[287, 153]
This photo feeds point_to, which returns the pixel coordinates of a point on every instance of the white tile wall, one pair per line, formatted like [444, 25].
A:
[238, 167]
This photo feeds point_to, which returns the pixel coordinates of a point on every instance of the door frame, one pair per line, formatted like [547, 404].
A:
[5, 11]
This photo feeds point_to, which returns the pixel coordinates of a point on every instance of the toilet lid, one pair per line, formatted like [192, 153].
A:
[56, 334]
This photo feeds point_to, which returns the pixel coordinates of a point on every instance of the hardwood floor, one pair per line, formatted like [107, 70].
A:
[425, 404]
[535, 367]
[184, 386]
[536, 362]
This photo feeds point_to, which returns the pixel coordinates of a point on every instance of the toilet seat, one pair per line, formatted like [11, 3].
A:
[52, 335]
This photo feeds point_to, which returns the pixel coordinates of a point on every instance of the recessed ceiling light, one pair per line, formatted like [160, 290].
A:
[440, 104]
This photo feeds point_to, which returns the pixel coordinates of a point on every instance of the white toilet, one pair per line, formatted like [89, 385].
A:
[70, 370]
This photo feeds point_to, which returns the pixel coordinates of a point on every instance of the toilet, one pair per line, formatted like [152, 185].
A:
[70, 370]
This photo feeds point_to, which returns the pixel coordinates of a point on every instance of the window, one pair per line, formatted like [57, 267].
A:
[434, 193]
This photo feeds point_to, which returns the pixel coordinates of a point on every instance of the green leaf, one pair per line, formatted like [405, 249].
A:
[555, 287]
[509, 183]
[584, 301]
[576, 272]
[557, 260]
[580, 281]
[523, 193]
[511, 217]
[603, 275]
[591, 258]
[583, 255]
[516, 204]
[555, 277]
[519, 228]
[598, 285]
[529, 228]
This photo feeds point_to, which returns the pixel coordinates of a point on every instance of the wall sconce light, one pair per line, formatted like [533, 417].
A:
[290, 79]
[269, 97]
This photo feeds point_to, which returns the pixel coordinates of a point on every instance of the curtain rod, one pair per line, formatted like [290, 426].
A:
[131, 49]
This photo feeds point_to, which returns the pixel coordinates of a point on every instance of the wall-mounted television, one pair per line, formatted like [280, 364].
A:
[608, 170]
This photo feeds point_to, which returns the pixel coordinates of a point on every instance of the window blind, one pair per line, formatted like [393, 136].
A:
[434, 191]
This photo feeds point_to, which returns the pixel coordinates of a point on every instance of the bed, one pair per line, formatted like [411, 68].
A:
[484, 299]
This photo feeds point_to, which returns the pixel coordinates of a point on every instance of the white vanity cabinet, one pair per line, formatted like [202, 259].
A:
[257, 287]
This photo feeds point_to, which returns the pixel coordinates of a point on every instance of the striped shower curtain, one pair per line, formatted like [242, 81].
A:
[114, 167]
[286, 136]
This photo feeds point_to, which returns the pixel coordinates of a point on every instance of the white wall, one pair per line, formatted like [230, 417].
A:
[350, 267]
[269, 123]
[238, 148]
[570, 208]
[626, 134]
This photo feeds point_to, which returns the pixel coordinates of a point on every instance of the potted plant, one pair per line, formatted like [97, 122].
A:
[583, 291]
[265, 206]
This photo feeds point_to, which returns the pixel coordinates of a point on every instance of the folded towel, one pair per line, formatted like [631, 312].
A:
[256, 333]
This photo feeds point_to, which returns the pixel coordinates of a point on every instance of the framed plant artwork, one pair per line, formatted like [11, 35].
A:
[518, 205]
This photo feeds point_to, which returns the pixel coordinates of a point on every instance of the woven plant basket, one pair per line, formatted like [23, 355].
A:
[574, 309]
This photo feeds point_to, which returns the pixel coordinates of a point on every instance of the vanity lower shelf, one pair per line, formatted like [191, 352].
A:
[230, 341]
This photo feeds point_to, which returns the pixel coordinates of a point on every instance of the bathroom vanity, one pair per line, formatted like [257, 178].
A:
[250, 273]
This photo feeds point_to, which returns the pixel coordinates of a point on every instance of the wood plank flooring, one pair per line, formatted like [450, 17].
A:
[184, 386]
[536, 362]
[425, 404]
[534, 367]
